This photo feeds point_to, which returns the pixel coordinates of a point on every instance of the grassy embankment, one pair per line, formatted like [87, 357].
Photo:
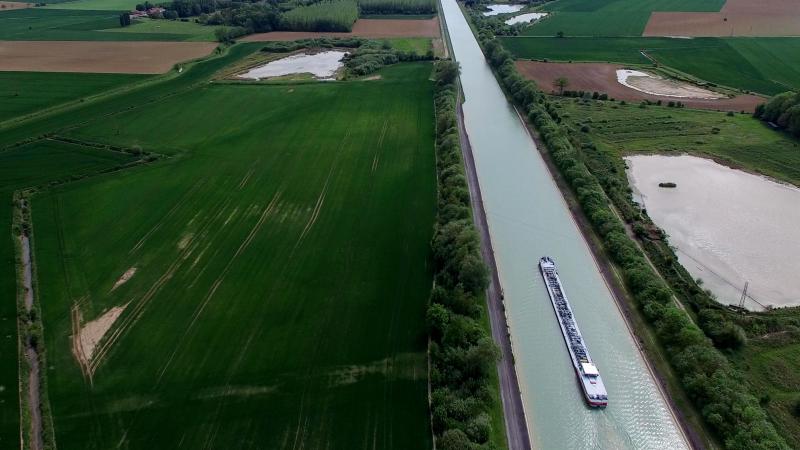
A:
[208, 220]
[761, 65]
[610, 17]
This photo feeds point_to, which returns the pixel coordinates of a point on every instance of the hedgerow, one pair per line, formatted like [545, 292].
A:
[462, 352]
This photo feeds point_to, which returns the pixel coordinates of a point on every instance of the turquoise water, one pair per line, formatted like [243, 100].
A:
[528, 219]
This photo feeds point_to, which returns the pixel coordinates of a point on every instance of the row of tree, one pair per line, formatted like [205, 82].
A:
[718, 390]
[782, 110]
[462, 353]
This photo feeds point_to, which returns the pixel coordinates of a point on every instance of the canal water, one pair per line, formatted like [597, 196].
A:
[528, 218]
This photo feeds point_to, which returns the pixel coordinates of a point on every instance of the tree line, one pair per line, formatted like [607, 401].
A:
[783, 110]
[462, 353]
[714, 385]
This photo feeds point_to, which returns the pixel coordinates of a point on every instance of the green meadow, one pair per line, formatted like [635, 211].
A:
[24, 93]
[740, 140]
[192, 31]
[281, 259]
[610, 17]
[761, 64]
[42, 24]
[95, 5]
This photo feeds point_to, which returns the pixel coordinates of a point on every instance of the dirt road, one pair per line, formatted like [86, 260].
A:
[513, 408]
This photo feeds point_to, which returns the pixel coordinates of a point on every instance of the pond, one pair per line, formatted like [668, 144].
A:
[502, 9]
[729, 226]
[321, 65]
[656, 85]
[525, 18]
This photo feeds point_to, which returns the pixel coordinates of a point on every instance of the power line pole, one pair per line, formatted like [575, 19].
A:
[744, 295]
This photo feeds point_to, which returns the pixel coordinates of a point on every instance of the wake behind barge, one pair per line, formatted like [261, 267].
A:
[588, 375]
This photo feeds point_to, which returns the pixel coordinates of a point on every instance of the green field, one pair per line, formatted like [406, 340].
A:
[610, 17]
[41, 24]
[192, 30]
[282, 269]
[23, 93]
[761, 63]
[32, 164]
[96, 5]
[740, 140]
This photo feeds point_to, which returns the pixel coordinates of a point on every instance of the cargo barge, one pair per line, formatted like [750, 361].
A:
[588, 376]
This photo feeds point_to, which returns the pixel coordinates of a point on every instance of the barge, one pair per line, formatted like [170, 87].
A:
[588, 376]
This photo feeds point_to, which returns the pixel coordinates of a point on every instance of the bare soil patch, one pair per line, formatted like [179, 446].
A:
[602, 77]
[737, 18]
[87, 336]
[98, 57]
[367, 28]
[7, 6]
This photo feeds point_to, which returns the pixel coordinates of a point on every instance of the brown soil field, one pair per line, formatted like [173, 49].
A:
[7, 6]
[602, 78]
[737, 18]
[98, 57]
[367, 28]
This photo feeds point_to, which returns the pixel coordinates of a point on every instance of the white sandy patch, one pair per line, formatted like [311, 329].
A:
[525, 18]
[655, 85]
[322, 65]
[92, 332]
[502, 9]
[124, 278]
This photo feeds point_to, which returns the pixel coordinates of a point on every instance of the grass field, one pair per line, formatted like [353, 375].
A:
[33, 164]
[740, 140]
[420, 46]
[610, 17]
[27, 92]
[95, 5]
[282, 270]
[761, 65]
[42, 24]
[769, 364]
[193, 31]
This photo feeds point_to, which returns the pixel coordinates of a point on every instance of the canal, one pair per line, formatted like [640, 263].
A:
[527, 219]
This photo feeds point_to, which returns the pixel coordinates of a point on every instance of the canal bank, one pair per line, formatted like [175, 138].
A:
[527, 218]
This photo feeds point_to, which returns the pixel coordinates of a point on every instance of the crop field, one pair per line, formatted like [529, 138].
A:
[272, 278]
[99, 57]
[32, 164]
[191, 30]
[737, 18]
[609, 17]
[761, 65]
[95, 5]
[602, 78]
[740, 141]
[42, 24]
[26, 92]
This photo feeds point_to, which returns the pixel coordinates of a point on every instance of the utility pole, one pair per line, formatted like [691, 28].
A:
[744, 295]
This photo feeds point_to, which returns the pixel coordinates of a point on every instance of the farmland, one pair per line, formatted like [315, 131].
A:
[95, 5]
[33, 164]
[264, 310]
[760, 65]
[609, 17]
[191, 31]
[26, 92]
[41, 24]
